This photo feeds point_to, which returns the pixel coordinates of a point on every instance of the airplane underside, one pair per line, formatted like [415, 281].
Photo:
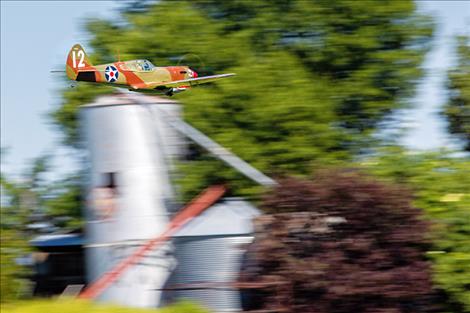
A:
[162, 90]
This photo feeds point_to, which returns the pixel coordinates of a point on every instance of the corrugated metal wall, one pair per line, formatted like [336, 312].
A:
[207, 265]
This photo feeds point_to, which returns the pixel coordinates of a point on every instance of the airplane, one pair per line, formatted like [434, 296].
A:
[137, 75]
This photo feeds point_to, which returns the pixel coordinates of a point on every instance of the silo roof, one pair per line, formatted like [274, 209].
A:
[124, 98]
[231, 216]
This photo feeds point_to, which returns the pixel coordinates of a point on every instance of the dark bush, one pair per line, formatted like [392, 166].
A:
[340, 243]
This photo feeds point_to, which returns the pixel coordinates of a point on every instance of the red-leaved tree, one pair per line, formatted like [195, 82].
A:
[339, 243]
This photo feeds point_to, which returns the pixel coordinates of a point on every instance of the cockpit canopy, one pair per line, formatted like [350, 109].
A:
[140, 65]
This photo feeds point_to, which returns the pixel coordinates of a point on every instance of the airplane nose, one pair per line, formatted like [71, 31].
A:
[195, 74]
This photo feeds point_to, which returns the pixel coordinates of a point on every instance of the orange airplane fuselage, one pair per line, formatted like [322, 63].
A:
[134, 74]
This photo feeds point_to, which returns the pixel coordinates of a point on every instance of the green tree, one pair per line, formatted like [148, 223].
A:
[64, 201]
[457, 110]
[313, 78]
[13, 243]
[13, 283]
[441, 185]
[21, 198]
[66, 115]
[31, 199]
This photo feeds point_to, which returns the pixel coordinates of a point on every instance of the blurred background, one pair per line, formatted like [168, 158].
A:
[359, 110]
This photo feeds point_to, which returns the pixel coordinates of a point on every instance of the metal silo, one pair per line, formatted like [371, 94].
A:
[130, 149]
[209, 252]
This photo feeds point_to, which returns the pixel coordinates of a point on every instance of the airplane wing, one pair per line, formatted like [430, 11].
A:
[191, 81]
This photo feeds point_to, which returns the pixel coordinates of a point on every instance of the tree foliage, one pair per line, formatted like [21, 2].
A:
[13, 244]
[441, 185]
[66, 116]
[32, 200]
[347, 243]
[13, 282]
[457, 109]
[313, 78]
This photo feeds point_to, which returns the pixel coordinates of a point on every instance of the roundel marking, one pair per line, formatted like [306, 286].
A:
[111, 73]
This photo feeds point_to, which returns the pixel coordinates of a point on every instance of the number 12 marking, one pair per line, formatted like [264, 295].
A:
[81, 55]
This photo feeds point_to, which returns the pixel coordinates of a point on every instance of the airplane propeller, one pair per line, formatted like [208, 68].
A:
[194, 62]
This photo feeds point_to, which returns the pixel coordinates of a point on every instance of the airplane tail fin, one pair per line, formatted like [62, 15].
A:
[77, 60]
